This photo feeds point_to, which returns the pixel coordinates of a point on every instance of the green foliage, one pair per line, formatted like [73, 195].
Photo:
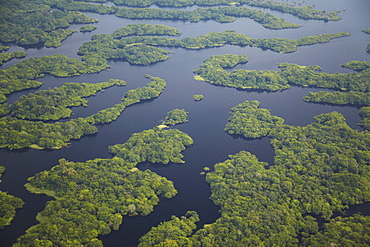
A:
[20, 24]
[213, 71]
[4, 48]
[365, 115]
[17, 134]
[339, 98]
[4, 109]
[198, 97]
[306, 12]
[318, 169]
[176, 116]
[55, 37]
[145, 29]
[5, 57]
[139, 50]
[105, 47]
[357, 65]
[91, 198]
[151, 90]
[154, 145]
[52, 104]
[367, 31]
[8, 205]
[87, 28]
[21, 76]
[171, 233]
[251, 121]
[348, 231]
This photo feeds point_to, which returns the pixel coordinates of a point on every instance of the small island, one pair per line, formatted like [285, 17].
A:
[198, 97]
[87, 28]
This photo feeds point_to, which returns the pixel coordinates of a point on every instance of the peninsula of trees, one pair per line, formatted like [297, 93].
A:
[143, 50]
[212, 71]
[32, 23]
[18, 133]
[306, 12]
[92, 197]
[8, 205]
[55, 103]
[318, 169]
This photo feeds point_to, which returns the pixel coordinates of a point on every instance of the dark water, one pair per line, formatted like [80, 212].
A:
[207, 118]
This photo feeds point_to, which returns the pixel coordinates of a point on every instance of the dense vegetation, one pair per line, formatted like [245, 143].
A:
[87, 28]
[251, 121]
[171, 233]
[91, 198]
[32, 23]
[151, 90]
[306, 12]
[347, 231]
[8, 205]
[219, 14]
[366, 31]
[339, 98]
[141, 49]
[291, 74]
[53, 104]
[355, 89]
[154, 145]
[318, 169]
[17, 134]
[357, 65]
[5, 57]
[176, 116]
[145, 29]
[21, 76]
[198, 97]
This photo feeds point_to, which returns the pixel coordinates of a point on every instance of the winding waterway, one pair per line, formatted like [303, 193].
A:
[207, 118]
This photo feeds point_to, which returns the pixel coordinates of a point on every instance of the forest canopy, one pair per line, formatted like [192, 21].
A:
[92, 197]
[8, 205]
[318, 169]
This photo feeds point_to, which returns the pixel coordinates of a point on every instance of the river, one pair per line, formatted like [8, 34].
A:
[207, 118]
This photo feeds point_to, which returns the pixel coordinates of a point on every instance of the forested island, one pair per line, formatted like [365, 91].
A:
[9, 204]
[143, 50]
[92, 197]
[306, 12]
[318, 169]
[19, 133]
[55, 103]
[32, 23]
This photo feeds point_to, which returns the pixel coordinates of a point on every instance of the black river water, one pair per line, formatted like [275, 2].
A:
[207, 118]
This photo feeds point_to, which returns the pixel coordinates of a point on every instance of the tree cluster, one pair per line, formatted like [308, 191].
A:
[55, 103]
[17, 134]
[151, 90]
[5, 57]
[21, 76]
[32, 23]
[8, 205]
[145, 29]
[92, 197]
[87, 28]
[305, 12]
[176, 116]
[318, 169]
